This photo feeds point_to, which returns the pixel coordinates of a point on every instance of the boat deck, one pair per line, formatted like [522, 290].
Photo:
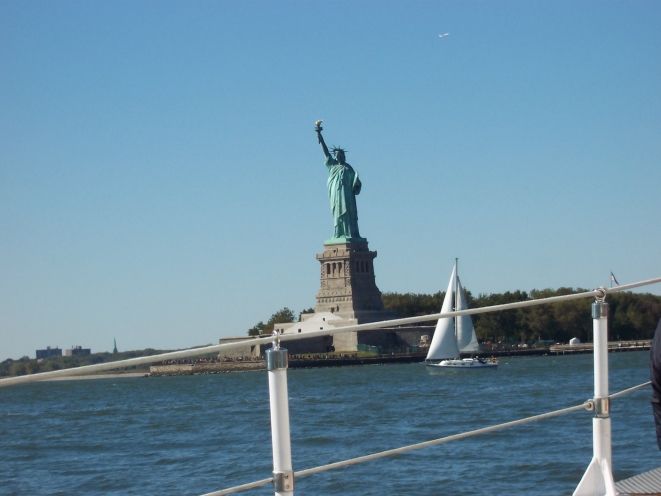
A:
[647, 483]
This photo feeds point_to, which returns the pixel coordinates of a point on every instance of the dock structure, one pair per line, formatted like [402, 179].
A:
[647, 484]
[613, 346]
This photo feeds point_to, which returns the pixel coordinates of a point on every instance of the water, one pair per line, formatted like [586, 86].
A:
[195, 434]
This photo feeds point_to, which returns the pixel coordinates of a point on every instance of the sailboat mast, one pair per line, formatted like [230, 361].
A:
[456, 294]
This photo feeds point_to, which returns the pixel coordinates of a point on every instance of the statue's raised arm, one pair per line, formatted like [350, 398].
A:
[318, 129]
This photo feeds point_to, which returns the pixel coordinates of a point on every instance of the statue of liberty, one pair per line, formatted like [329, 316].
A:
[343, 186]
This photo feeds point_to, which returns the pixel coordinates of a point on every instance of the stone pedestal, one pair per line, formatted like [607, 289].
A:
[348, 287]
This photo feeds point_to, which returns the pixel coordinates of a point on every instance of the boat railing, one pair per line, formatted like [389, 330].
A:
[597, 480]
[587, 405]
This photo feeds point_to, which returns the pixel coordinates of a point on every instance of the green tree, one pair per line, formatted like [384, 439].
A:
[285, 314]
[499, 326]
[307, 310]
[413, 304]
[18, 368]
[257, 329]
[632, 315]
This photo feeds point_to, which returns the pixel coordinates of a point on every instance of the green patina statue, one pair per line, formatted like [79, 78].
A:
[343, 186]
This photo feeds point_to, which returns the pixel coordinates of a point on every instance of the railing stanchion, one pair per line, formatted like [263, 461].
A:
[598, 478]
[283, 474]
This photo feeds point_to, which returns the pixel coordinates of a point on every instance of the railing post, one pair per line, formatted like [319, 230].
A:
[283, 474]
[598, 478]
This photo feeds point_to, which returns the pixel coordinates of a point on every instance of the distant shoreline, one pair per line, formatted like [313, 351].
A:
[331, 360]
[297, 361]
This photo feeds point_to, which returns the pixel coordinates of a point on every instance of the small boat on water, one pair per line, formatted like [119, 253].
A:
[465, 363]
[455, 335]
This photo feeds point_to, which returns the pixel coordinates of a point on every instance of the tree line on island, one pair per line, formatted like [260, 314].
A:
[632, 316]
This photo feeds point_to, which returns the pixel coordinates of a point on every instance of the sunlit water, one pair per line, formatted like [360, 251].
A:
[196, 434]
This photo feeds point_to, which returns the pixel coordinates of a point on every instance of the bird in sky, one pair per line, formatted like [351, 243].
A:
[443, 35]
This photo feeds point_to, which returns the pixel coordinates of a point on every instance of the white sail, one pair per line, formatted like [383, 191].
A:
[444, 343]
[466, 338]
[454, 334]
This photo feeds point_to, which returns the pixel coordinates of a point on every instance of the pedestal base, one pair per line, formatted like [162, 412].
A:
[348, 287]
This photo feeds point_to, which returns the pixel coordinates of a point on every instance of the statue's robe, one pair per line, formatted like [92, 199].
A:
[343, 186]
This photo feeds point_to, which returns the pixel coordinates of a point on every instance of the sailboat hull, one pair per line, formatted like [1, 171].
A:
[464, 363]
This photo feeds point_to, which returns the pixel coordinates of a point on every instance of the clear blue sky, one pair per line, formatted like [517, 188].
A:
[161, 184]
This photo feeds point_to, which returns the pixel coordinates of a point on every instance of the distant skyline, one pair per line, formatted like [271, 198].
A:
[161, 183]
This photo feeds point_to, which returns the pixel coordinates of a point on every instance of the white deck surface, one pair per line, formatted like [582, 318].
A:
[647, 483]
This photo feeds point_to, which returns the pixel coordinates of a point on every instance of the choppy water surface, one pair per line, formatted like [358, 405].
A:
[191, 435]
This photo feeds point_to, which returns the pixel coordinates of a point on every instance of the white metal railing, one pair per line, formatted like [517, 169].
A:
[597, 480]
[585, 406]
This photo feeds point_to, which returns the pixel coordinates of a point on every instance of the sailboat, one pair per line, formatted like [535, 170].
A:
[455, 335]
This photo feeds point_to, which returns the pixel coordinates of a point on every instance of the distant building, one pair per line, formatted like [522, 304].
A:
[385, 340]
[77, 351]
[249, 351]
[48, 352]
